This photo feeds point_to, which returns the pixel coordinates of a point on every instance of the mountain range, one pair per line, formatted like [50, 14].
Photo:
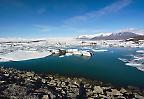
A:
[110, 36]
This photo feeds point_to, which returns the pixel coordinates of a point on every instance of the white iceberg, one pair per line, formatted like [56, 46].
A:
[61, 56]
[79, 53]
[101, 50]
[68, 54]
[123, 60]
[141, 68]
[133, 64]
[72, 50]
[85, 53]
[24, 55]
[140, 51]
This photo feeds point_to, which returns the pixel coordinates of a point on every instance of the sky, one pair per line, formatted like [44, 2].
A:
[68, 18]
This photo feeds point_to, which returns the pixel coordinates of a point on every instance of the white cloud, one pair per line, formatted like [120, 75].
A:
[114, 7]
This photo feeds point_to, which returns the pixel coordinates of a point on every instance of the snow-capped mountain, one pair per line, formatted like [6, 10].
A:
[94, 35]
[110, 36]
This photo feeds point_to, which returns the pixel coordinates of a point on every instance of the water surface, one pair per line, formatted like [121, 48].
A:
[103, 66]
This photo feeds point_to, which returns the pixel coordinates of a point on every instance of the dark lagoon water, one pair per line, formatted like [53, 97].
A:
[103, 66]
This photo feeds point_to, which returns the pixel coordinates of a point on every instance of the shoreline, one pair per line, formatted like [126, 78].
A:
[28, 84]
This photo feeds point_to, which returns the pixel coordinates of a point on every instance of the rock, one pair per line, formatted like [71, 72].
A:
[109, 93]
[90, 98]
[89, 92]
[43, 81]
[66, 83]
[28, 85]
[116, 92]
[139, 97]
[73, 86]
[29, 74]
[45, 97]
[2, 82]
[13, 97]
[102, 96]
[63, 84]
[35, 78]
[122, 90]
[121, 97]
[6, 75]
[98, 89]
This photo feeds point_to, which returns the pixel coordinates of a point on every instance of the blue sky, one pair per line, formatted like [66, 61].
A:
[68, 18]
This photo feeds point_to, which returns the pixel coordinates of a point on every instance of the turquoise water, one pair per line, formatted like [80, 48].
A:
[103, 66]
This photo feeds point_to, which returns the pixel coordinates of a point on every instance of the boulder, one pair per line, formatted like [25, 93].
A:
[29, 74]
[116, 93]
[45, 97]
[98, 89]
[6, 75]
[122, 90]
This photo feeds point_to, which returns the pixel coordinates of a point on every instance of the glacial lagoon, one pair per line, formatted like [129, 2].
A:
[103, 65]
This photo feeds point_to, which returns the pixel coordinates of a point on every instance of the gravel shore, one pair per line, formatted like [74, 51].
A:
[16, 84]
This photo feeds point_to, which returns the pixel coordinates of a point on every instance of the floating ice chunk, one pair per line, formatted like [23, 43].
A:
[72, 50]
[140, 51]
[85, 53]
[61, 56]
[25, 55]
[123, 60]
[3, 59]
[77, 53]
[141, 68]
[68, 54]
[102, 50]
[55, 51]
[133, 64]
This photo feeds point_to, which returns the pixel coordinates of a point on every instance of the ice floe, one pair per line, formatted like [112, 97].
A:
[79, 52]
[140, 51]
[139, 66]
[133, 64]
[61, 56]
[123, 59]
[136, 61]
[85, 53]
[24, 55]
[68, 54]
[100, 50]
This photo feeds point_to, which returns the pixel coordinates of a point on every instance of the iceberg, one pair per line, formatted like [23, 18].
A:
[133, 64]
[101, 50]
[141, 68]
[123, 60]
[68, 54]
[136, 65]
[85, 53]
[72, 50]
[3, 59]
[140, 51]
[77, 53]
[61, 56]
[24, 55]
